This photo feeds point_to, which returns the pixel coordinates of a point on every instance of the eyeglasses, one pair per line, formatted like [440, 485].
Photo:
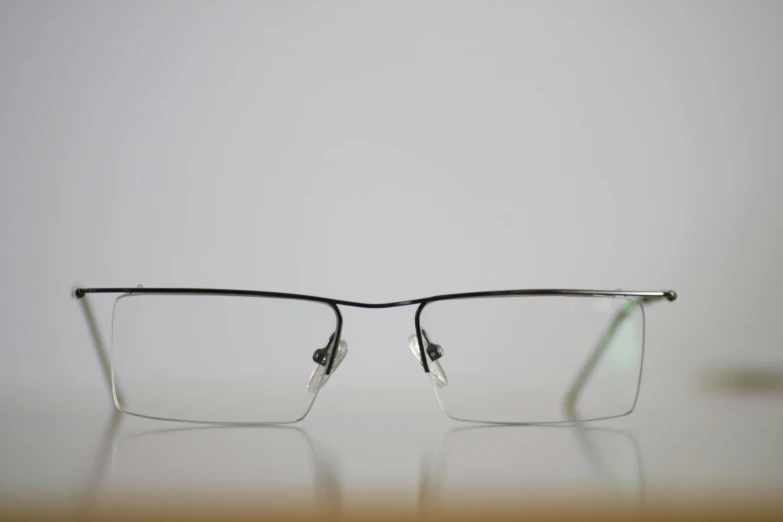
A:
[252, 357]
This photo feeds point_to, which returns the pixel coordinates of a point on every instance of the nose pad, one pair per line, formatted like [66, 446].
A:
[437, 374]
[319, 377]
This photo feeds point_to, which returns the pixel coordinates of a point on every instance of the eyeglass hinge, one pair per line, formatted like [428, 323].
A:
[321, 356]
[434, 352]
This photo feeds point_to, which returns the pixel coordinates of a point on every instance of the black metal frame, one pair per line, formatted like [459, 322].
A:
[647, 296]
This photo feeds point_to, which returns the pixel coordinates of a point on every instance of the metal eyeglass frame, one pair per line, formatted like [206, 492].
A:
[642, 297]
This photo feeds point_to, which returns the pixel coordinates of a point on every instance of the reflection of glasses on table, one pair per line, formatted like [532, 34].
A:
[241, 356]
[514, 465]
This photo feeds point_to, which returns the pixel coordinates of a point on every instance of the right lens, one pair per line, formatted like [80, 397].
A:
[216, 358]
[536, 359]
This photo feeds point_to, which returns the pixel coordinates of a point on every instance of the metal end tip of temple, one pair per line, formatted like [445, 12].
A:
[671, 295]
[78, 293]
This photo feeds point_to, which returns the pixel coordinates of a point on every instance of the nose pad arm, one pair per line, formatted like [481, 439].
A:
[321, 356]
[433, 352]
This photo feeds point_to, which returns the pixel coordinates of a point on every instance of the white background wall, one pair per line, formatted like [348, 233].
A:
[380, 152]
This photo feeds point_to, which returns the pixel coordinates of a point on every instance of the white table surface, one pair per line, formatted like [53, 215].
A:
[393, 445]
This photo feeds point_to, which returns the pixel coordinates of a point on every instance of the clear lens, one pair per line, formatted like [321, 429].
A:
[217, 358]
[537, 359]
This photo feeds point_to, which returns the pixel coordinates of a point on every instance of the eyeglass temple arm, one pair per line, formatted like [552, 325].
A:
[594, 358]
[100, 347]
